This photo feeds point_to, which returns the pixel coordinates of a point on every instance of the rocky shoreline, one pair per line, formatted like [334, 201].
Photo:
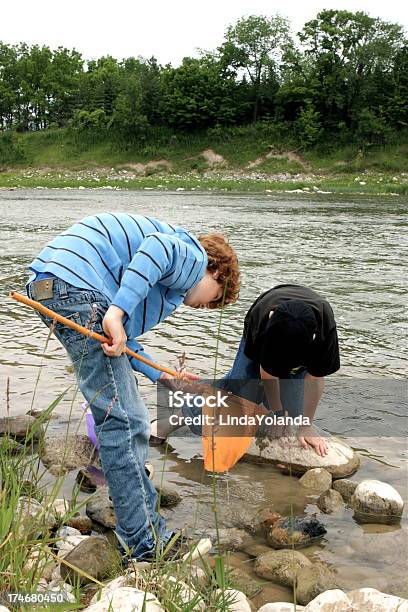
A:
[81, 547]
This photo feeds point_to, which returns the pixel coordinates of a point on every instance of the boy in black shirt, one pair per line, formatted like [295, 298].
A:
[290, 334]
[290, 343]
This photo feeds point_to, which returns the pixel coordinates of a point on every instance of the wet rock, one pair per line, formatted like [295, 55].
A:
[313, 580]
[125, 599]
[229, 538]
[93, 555]
[374, 501]
[255, 549]
[317, 479]
[21, 427]
[375, 601]
[265, 519]
[82, 523]
[67, 452]
[330, 501]
[340, 461]
[281, 566]
[330, 601]
[237, 602]
[243, 582]
[295, 532]
[280, 606]
[345, 487]
[168, 497]
[100, 508]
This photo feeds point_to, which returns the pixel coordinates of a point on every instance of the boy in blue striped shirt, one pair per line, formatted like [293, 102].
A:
[122, 274]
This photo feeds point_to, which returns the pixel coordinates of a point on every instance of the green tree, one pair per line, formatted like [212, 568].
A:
[256, 44]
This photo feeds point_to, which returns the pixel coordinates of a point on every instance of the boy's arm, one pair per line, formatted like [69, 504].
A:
[139, 366]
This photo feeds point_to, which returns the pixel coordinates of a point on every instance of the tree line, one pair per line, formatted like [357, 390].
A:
[344, 75]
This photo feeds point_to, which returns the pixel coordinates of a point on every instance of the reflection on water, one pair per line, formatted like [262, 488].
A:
[350, 251]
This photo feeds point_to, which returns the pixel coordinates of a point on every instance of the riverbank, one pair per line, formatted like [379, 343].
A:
[103, 178]
[247, 159]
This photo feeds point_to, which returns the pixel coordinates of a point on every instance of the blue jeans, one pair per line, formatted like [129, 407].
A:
[121, 417]
[244, 380]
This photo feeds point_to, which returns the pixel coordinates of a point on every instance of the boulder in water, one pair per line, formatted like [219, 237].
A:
[316, 479]
[295, 532]
[21, 427]
[313, 580]
[375, 501]
[330, 501]
[340, 461]
[345, 487]
[280, 566]
[63, 453]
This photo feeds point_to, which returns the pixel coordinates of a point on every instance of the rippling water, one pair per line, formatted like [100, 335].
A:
[350, 251]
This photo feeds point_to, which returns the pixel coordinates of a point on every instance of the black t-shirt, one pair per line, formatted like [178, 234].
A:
[323, 358]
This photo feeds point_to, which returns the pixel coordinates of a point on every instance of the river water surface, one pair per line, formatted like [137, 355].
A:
[349, 250]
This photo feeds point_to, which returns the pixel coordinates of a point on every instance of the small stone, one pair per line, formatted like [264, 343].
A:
[125, 599]
[89, 480]
[330, 501]
[21, 427]
[100, 508]
[345, 487]
[94, 555]
[317, 479]
[82, 523]
[37, 520]
[374, 501]
[313, 580]
[281, 566]
[66, 532]
[167, 497]
[68, 543]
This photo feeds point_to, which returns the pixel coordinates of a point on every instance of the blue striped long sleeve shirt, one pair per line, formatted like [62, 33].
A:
[140, 264]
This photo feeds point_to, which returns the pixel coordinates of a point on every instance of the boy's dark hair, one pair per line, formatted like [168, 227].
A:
[222, 259]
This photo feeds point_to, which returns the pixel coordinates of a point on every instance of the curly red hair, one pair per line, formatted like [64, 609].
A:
[222, 259]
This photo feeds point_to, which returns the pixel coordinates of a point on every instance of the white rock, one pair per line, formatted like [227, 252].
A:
[330, 601]
[280, 606]
[65, 546]
[376, 498]
[66, 532]
[371, 600]
[203, 548]
[125, 599]
[60, 506]
[340, 461]
[4, 609]
[236, 600]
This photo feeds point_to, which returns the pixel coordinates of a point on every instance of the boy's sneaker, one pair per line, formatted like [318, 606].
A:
[178, 548]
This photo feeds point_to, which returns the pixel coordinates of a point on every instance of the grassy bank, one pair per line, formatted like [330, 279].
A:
[252, 159]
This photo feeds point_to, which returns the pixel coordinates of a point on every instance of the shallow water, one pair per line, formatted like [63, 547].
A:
[351, 251]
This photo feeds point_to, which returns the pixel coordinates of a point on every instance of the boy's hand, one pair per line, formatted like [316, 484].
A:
[113, 328]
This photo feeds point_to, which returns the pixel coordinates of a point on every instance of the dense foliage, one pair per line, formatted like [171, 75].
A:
[345, 75]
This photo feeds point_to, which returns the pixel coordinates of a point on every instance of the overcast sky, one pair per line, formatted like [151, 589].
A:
[168, 29]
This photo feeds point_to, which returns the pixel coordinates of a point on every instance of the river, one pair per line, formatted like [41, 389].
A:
[349, 250]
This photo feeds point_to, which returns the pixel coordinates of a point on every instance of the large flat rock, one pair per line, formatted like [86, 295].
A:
[340, 461]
